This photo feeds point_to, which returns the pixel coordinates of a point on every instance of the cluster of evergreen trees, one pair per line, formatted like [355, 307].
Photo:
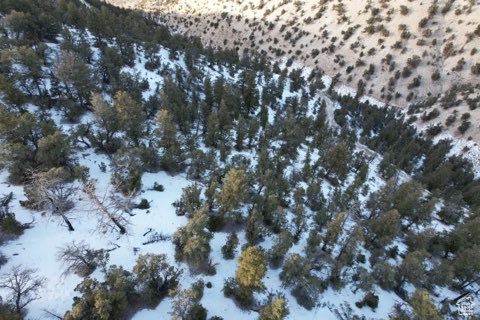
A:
[307, 181]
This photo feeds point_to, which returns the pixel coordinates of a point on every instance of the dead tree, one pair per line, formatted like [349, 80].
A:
[51, 191]
[78, 258]
[23, 286]
[109, 207]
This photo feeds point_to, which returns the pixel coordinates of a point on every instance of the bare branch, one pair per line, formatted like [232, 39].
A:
[110, 208]
[23, 285]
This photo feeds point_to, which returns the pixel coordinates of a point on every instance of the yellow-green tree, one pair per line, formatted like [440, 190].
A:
[234, 189]
[274, 310]
[422, 306]
[251, 267]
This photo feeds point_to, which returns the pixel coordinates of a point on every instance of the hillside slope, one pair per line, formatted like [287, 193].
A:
[421, 55]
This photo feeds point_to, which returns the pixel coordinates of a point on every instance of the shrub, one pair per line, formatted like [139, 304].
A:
[144, 204]
[423, 23]
[464, 126]
[431, 115]
[435, 75]
[450, 120]
[158, 187]
[371, 300]
[228, 250]
[198, 312]
[475, 69]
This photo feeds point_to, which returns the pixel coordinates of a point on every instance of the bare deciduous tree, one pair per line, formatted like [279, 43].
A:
[23, 285]
[78, 258]
[51, 191]
[110, 208]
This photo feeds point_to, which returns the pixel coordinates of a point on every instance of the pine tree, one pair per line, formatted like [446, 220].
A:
[334, 228]
[337, 159]
[384, 228]
[241, 133]
[155, 276]
[106, 119]
[276, 254]
[254, 227]
[76, 79]
[234, 190]
[422, 306]
[192, 242]
[276, 309]
[228, 249]
[186, 306]
[131, 117]
[251, 267]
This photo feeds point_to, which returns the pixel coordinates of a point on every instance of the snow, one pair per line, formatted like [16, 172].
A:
[37, 247]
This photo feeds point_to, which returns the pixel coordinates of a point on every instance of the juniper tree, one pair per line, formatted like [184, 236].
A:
[186, 306]
[172, 158]
[412, 269]
[126, 170]
[31, 78]
[107, 300]
[384, 275]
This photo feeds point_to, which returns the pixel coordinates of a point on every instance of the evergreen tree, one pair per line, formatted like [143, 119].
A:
[251, 267]
[334, 228]
[422, 306]
[234, 190]
[106, 119]
[385, 228]
[130, 116]
[276, 254]
[296, 274]
[76, 79]
[276, 309]
[228, 249]
[254, 228]
[192, 242]
[186, 306]
[155, 276]
[189, 201]
[336, 160]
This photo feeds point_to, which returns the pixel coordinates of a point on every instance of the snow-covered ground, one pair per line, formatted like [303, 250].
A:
[38, 246]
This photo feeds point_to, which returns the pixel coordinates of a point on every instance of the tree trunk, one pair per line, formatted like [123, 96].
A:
[69, 224]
